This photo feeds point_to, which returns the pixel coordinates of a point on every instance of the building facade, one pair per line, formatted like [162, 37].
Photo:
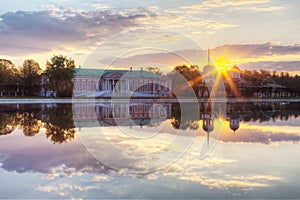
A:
[235, 85]
[140, 83]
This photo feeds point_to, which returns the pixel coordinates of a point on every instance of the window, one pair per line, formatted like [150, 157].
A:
[90, 86]
[89, 110]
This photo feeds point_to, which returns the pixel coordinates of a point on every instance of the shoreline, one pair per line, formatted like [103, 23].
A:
[153, 100]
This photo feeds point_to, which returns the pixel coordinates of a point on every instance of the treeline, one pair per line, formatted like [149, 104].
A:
[29, 79]
[184, 77]
[185, 80]
[259, 77]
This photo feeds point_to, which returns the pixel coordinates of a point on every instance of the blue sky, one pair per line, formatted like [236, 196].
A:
[76, 28]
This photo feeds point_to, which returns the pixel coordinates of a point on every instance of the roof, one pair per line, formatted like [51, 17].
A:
[208, 68]
[140, 74]
[273, 85]
[243, 81]
[94, 72]
[235, 68]
[115, 122]
[104, 72]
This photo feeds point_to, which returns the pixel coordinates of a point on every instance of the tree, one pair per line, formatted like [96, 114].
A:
[184, 78]
[60, 71]
[8, 77]
[29, 74]
[154, 70]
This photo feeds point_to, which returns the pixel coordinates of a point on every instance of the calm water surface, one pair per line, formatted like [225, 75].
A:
[145, 149]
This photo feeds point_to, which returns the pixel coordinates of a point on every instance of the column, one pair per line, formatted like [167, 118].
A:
[127, 107]
[158, 87]
[80, 85]
[153, 91]
[121, 85]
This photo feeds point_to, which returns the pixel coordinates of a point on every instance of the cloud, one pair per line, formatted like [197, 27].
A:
[246, 56]
[157, 59]
[243, 183]
[24, 32]
[292, 66]
[211, 10]
[271, 133]
[210, 4]
[64, 189]
[99, 178]
[76, 161]
[101, 6]
[238, 51]
[224, 184]
[209, 24]
[267, 8]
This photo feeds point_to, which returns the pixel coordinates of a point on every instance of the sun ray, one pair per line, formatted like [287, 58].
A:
[231, 84]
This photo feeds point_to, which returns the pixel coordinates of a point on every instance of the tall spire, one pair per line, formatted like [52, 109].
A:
[208, 56]
[207, 138]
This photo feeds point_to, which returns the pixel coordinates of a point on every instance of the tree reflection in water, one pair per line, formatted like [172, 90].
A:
[245, 111]
[57, 119]
[58, 134]
[60, 127]
[186, 119]
[29, 123]
[8, 121]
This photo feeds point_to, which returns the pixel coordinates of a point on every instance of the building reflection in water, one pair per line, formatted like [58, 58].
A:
[150, 113]
[135, 113]
[207, 117]
[60, 120]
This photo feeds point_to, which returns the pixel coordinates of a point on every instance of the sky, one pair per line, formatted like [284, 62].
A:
[261, 34]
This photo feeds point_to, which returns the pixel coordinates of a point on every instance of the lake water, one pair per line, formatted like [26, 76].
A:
[150, 149]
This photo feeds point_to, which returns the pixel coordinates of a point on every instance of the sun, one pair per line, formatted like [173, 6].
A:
[222, 64]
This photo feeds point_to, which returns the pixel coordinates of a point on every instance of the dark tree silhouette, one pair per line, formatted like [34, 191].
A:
[29, 74]
[8, 78]
[60, 71]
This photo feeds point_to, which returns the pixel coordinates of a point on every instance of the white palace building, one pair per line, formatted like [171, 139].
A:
[105, 83]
